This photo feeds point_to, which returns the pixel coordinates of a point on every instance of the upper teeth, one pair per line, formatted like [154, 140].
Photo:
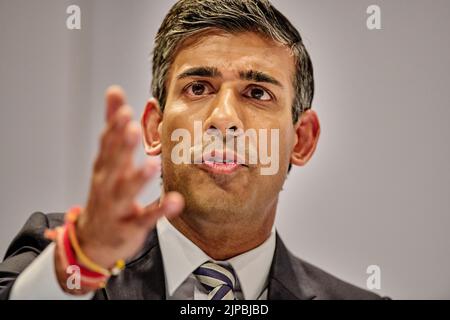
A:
[222, 160]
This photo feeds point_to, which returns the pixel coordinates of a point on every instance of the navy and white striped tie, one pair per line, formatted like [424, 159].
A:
[218, 280]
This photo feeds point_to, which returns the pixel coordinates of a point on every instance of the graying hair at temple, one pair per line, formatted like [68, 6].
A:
[191, 17]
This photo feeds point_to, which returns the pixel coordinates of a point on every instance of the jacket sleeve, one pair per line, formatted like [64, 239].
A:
[25, 247]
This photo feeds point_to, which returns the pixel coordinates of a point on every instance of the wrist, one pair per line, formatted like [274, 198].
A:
[93, 248]
[80, 255]
[76, 273]
[62, 275]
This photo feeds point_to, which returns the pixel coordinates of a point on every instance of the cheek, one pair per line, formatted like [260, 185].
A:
[281, 133]
[286, 145]
[281, 147]
[174, 118]
[170, 123]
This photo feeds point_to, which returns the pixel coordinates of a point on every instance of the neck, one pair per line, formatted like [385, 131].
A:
[232, 239]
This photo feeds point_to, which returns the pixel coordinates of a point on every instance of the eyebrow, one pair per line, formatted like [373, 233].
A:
[209, 72]
[258, 76]
[213, 72]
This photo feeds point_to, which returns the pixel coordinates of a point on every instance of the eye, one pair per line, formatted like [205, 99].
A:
[258, 93]
[197, 89]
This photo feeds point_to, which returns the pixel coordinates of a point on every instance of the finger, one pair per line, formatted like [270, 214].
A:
[128, 188]
[120, 163]
[115, 98]
[127, 135]
[136, 211]
[116, 127]
[120, 118]
[113, 135]
[115, 132]
[171, 205]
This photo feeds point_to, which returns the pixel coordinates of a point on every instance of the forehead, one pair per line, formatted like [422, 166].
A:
[231, 53]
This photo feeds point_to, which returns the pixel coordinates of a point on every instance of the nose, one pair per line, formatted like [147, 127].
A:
[224, 114]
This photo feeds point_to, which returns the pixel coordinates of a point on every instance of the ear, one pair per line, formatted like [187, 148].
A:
[307, 132]
[151, 123]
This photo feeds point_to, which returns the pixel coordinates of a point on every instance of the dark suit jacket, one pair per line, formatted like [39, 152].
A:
[290, 278]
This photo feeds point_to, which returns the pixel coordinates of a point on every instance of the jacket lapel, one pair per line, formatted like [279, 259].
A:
[287, 278]
[143, 277]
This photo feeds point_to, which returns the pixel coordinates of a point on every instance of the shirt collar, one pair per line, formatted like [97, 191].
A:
[181, 257]
[253, 267]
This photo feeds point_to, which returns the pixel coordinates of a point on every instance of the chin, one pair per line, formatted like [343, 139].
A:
[216, 202]
[216, 196]
[210, 194]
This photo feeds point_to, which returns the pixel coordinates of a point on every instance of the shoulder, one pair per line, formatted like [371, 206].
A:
[329, 287]
[26, 246]
[39, 220]
[294, 278]
[31, 236]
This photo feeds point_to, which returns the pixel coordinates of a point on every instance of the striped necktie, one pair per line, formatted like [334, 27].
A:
[218, 280]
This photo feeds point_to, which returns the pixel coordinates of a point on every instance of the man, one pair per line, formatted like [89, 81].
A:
[226, 67]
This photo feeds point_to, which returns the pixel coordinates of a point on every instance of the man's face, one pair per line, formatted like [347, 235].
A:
[210, 81]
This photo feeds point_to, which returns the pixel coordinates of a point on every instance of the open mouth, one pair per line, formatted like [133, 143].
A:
[222, 162]
[225, 167]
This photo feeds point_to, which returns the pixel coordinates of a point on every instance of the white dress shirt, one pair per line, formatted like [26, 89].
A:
[180, 258]
[38, 281]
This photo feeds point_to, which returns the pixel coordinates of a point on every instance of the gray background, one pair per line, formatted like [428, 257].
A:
[377, 189]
